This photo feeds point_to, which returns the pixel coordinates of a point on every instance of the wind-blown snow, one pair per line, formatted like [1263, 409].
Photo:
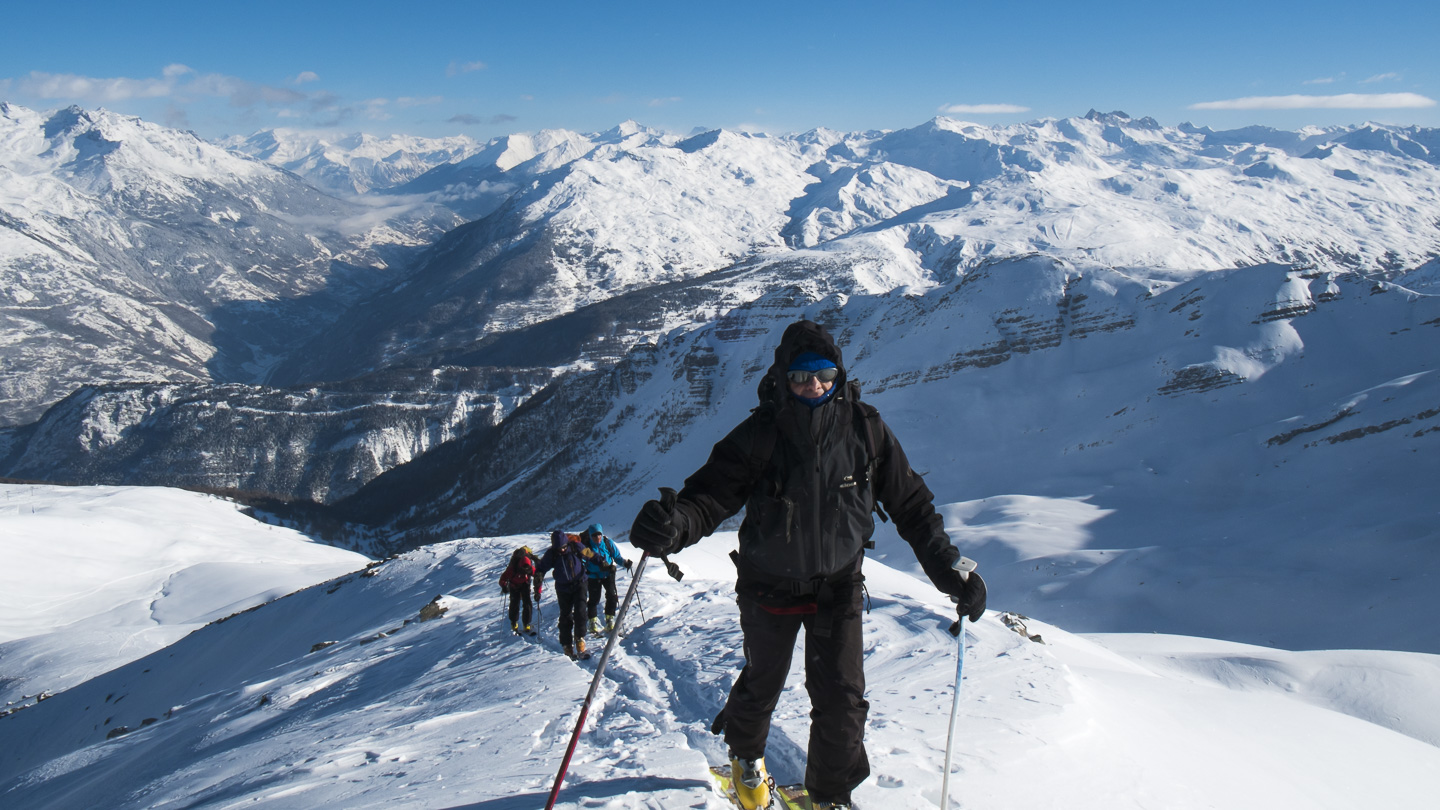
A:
[339, 696]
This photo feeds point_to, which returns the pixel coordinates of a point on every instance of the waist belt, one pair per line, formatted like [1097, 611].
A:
[822, 589]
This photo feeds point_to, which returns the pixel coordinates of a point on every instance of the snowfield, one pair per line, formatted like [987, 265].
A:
[96, 577]
[338, 695]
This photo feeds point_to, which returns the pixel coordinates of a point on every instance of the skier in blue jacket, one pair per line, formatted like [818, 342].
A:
[600, 570]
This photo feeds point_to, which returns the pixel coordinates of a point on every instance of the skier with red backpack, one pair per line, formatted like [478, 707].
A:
[516, 581]
[566, 556]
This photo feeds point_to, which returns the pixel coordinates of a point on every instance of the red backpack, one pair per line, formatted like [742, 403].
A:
[520, 571]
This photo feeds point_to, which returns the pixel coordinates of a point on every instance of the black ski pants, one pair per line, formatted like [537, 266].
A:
[520, 602]
[612, 598]
[834, 678]
[572, 612]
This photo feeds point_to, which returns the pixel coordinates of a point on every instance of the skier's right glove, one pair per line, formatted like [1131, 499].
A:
[656, 530]
[504, 588]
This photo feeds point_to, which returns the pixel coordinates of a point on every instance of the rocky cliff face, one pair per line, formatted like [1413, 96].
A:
[318, 444]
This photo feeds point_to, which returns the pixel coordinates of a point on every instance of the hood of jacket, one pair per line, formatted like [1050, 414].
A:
[799, 337]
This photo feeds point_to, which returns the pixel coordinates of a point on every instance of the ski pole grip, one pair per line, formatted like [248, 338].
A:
[963, 567]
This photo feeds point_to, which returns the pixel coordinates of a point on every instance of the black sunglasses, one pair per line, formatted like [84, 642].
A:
[824, 375]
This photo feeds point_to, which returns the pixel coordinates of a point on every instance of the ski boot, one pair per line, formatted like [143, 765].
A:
[580, 650]
[595, 626]
[529, 631]
[609, 622]
[570, 651]
[752, 784]
[515, 628]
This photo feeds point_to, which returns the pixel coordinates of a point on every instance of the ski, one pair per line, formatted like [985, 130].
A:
[793, 797]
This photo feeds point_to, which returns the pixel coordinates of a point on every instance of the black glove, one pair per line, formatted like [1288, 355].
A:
[656, 530]
[972, 602]
[628, 564]
[504, 589]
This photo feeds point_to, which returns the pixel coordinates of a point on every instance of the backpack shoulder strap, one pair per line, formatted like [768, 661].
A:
[762, 444]
[866, 419]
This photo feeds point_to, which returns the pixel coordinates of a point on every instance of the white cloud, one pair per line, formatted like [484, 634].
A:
[406, 102]
[457, 68]
[375, 109]
[1325, 80]
[306, 76]
[1383, 77]
[177, 82]
[983, 109]
[661, 102]
[84, 88]
[1343, 101]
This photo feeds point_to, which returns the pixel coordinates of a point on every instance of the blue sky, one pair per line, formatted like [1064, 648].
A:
[485, 69]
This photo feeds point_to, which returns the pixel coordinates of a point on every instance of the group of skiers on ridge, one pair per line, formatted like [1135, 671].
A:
[584, 566]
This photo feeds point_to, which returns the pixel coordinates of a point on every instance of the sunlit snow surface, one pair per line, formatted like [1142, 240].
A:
[98, 576]
[338, 696]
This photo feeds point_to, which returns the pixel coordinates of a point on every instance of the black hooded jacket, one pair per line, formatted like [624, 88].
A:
[808, 505]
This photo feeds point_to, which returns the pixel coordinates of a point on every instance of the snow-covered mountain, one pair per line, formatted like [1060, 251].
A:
[349, 694]
[348, 165]
[131, 251]
[910, 209]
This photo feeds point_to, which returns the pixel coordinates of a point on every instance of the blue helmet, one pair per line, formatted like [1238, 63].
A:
[595, 529]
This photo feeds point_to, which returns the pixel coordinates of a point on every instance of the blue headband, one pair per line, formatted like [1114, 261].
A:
[810, 361]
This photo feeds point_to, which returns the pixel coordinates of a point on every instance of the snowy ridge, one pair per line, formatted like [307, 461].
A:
[339, 695]
[95, 580]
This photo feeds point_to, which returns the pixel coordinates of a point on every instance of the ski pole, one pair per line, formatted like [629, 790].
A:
[964, 565]
[595, 682]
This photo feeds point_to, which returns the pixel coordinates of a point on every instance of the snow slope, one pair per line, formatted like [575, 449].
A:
[95, 577]
[339, 696]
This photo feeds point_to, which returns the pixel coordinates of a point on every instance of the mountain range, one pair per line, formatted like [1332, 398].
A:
[603, 323]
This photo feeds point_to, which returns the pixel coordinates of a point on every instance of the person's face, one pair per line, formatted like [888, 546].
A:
[811, 388]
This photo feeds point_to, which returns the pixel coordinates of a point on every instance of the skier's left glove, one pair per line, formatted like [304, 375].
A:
[971, 602]
[629, 566]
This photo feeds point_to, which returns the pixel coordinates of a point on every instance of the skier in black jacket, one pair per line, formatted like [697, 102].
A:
[810, 465]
